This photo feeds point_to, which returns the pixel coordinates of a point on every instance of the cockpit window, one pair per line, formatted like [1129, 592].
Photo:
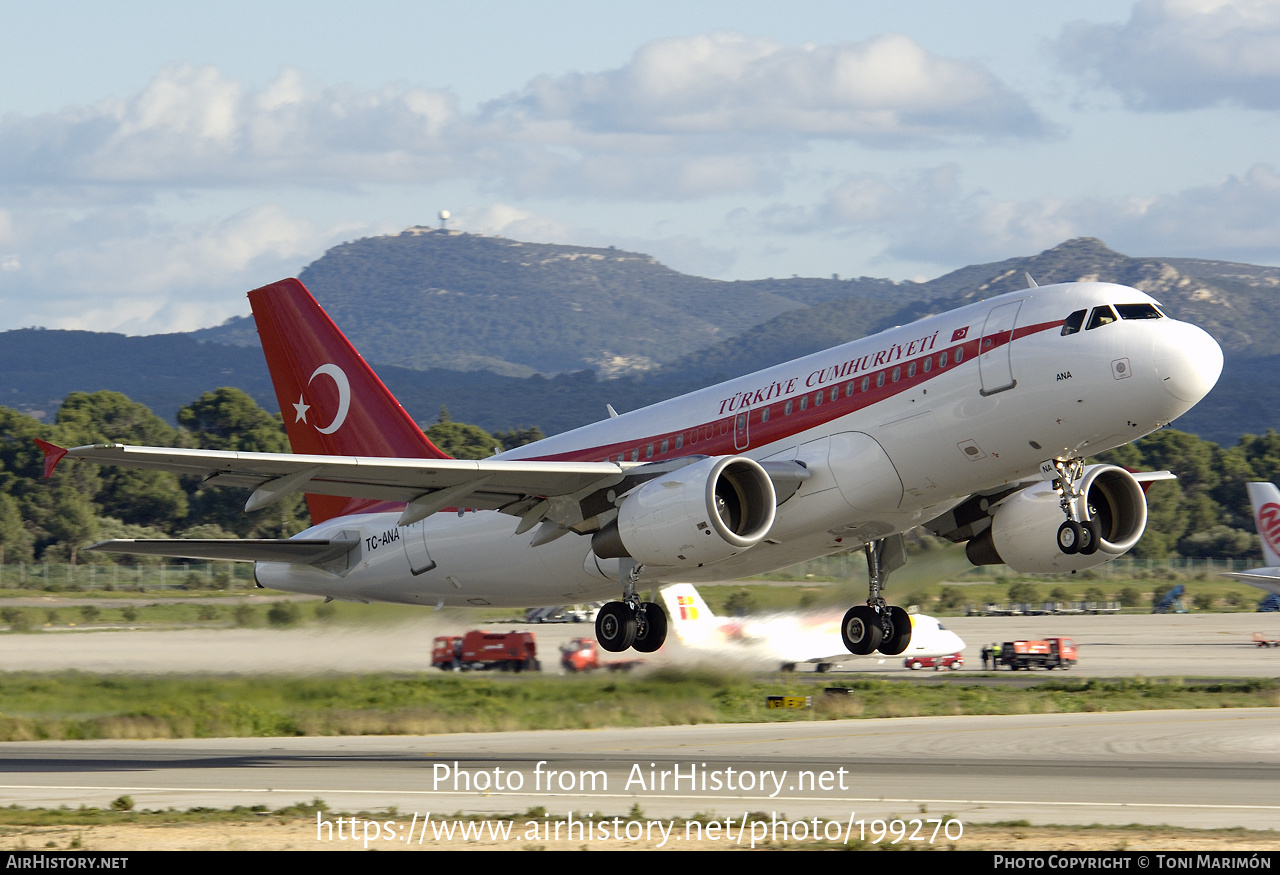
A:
[1073, 322]
[1100, 316]
[1137, 311]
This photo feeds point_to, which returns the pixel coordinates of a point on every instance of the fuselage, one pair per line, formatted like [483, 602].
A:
[893, 430]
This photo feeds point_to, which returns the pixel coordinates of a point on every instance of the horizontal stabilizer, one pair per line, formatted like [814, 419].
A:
[1262, 578]
[298, 551]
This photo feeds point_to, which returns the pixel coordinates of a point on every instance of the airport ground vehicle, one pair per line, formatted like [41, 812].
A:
[1049, 653]
[953, 662]
[583, 654]
[486, 651]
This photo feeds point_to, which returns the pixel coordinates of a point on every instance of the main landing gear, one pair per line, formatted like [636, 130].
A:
[1076, 535]
[642, 626]
[876, 625]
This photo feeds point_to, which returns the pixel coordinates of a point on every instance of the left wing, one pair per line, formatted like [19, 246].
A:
[577, 496]
[424, 485]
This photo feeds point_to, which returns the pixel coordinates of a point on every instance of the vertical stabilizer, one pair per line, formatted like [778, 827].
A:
[1265, 499]
[332, 402]
[687, 614]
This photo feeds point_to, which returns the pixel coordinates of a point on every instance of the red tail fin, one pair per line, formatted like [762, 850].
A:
[332, 402]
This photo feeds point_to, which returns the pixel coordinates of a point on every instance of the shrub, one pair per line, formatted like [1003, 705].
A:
[284, 614]
[17, 619]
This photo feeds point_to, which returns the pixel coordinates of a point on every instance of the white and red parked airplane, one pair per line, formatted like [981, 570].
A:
[973, 424]
[1265, 499]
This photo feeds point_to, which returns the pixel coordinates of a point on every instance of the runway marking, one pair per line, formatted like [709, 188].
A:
[667, 797]
[1202, 717]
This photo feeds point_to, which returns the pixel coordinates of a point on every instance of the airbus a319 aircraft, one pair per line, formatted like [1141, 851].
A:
[973, 424]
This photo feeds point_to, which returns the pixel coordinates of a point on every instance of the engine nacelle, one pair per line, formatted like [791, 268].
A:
[1023, 532]
[701, 513]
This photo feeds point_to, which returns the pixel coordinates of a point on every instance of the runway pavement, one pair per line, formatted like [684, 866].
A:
[1201, 769]
[1196, 769]
[1188, 645]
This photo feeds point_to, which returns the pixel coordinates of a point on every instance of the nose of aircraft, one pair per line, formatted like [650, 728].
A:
[1188, 361]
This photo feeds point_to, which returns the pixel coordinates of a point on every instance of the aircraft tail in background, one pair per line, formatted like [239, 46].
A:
[1265, 499]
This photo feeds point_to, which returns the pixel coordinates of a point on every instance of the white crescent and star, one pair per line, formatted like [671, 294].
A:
[344, 398]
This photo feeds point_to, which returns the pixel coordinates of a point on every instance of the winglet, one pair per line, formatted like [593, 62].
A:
[52, 456]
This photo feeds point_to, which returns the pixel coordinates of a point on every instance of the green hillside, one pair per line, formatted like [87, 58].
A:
[510, 334]
[428, 298]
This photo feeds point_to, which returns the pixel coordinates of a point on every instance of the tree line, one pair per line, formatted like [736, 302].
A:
[1204, 513]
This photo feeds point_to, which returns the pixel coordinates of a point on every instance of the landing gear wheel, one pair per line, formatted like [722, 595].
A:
[653, 631]
[1091, 530]
[900, 635]
[861, 630]
[615, 627]
[1070, 535]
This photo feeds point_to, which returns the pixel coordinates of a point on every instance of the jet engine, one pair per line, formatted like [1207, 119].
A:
[1024, 527]
[701, 513]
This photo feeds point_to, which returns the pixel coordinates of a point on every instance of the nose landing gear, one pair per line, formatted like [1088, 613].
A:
[1082, 532]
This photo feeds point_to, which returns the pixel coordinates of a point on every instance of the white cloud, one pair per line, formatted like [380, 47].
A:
[681, 252]
[123, 270]
[884, 91]
[1183, 54]
[684, 118]
[191, 126]
[929, 217]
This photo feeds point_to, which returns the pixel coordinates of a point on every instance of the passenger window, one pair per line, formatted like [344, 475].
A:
[1073, 322]
[764, 415]
[1137, 311]
[848, 390]
[817, 399]
[959, 354]
[866, 383]
[804, 402]
[786, 411]
[1100, 316]
[911, 370]
[664, 446]
[679, 441]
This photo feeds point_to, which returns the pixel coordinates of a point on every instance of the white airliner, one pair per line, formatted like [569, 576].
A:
[973, 424]
[784, 639]
[1265, 499]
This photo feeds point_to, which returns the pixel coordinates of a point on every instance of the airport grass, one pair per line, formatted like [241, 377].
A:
[84, 828]
[84, 706]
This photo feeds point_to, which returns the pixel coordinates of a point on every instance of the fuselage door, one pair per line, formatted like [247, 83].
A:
[995, 362]
[415, 548]
[741, 431]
